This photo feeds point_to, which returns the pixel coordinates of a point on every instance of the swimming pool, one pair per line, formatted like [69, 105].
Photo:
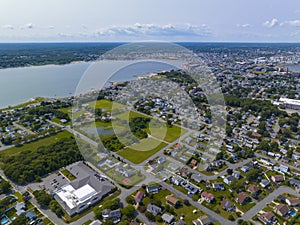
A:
[4, 220]
[293, 214]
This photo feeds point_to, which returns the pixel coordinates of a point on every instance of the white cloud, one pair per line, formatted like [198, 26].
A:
[292, 23]
[8, 26]
[154, 30]
[271, 23]
[27, 26]
[246, 25]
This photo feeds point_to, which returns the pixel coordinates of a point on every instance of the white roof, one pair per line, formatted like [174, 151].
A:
[290, 101]
[73, 197]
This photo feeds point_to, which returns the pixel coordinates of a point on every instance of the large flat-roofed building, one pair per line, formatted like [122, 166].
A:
[288, 103]
[87, 189]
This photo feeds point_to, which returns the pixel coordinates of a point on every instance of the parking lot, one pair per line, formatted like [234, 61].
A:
[50, 183]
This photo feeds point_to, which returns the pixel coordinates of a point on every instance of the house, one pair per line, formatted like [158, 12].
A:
[218, 186]
[227, 205]
[180, 222]
[277, 178]
[113, 215]
[167, 218]
[184, 171]
[177, 180]
[228, 180]
[96, 222]
[161, 160]
[191, 152]
[237, 175]
[177, 146]
[153, 189]
[203, 220]
[134, 223]
[193, 163]
[282, 210]
[245, 168]
[172, 200]
[31, 216]
[292, 201]
[173, 166]
[242, 198]
[139, 196]
[196, 177]
[283, 168]
[192, 189]
[208, 197]
[155, 210]
[267, 218]
[264, 183]
[294, 182]
[253, 189]
[20, 208]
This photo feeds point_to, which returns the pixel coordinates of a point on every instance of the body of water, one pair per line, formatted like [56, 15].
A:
[18, 85]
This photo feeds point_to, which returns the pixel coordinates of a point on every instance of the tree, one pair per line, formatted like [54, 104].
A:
[230, 217]
[229, 171]
[56, 208]
[128, 211]
[19, 220]
[186, 202]
[42, 198]
[130, 200]
[220, 155]
[4, 186]
[252, 174]
[150, 216]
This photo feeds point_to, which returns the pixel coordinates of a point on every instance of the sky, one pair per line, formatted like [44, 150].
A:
[140, 20]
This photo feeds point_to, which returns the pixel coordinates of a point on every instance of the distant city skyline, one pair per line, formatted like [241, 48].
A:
[137, 20]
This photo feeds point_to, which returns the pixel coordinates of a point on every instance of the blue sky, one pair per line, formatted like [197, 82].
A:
[136, 20]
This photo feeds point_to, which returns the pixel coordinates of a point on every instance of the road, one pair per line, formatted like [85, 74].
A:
[267, 200]
[151, 178]
[23, 128]
[278, 162]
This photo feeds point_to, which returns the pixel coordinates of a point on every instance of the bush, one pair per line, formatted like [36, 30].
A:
[130, 200]
[142, 209]
[150, 216]
[230, 217]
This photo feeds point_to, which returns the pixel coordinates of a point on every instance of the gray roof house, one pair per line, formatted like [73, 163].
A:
[153, 209]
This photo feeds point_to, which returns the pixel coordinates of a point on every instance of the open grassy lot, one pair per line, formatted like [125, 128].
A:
[36, 144]
[125, 182]
[140, 155]
[163, 132]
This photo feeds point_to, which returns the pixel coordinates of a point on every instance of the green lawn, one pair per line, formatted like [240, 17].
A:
[125, 182]
[68, 175]
[187, 211]
[138, 154]
[163, 132]
[36, 144]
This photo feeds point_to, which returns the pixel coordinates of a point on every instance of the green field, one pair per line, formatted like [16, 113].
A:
[163, 132]
[137, 156]
[125, 182]
[36, 144]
